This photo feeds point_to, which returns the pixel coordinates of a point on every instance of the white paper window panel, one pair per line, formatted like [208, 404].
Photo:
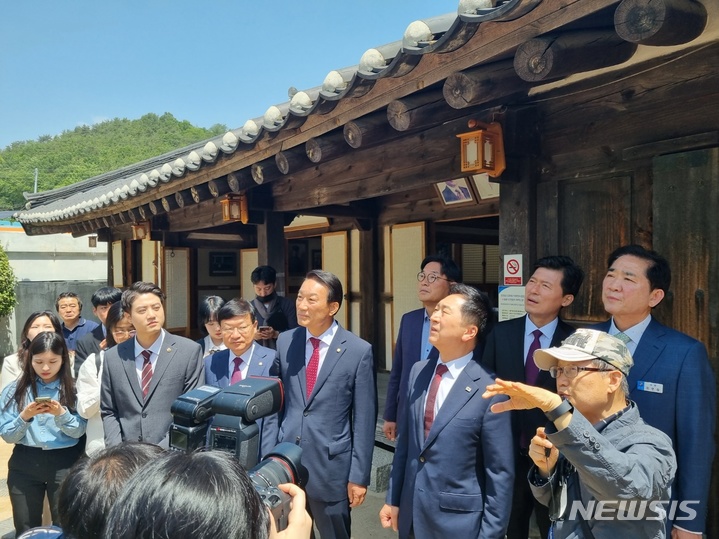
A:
[149, 262]
[118, 263]
[248, 262]
[408, 251]
[334, 259]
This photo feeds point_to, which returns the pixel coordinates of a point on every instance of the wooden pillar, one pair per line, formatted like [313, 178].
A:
[518, 192]
[271, 246]
[370, 305]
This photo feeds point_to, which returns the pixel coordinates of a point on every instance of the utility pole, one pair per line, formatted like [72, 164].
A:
[35, 191]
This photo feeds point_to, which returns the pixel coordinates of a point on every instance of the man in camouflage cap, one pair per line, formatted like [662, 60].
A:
[595, 453]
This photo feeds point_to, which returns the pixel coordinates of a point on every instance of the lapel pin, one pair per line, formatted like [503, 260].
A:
[168, 350]
[260, 364]
[339, 350]
[468, 389]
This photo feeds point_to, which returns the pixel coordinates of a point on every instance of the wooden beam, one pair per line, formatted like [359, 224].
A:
[484, 84]
[553, 57]
[266, 171]
[370, 130]
[660, 22]
[182, 198]
[291, 160]
[240, 180]
[169, 203]
[200, 192]
[218, 187]
[420, 111]
[326, 147]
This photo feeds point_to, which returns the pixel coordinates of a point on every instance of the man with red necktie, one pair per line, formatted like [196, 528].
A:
[451, 474]
[330, 404]
[243, 357]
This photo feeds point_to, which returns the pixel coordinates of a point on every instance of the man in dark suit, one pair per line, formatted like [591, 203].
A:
[452, 474]
[330, 404]
[553, 285]
[436, 275]
[672, 381]
[91, 343]
[242, 358]
[143, 376]
[453, 192]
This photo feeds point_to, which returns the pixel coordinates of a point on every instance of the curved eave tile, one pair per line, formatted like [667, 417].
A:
[508, 11]
[429, 38]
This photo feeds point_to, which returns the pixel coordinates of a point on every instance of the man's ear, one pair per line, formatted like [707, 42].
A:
[334, 307]
[655, 297]
[615, 380]
[470, 332]
[567, 300]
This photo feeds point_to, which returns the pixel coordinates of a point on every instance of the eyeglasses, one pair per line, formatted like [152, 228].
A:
[572, 371]
[127, 332]
[431, 277]
[244, 330]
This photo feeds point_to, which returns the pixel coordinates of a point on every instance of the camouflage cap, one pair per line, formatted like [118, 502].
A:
[585, 344]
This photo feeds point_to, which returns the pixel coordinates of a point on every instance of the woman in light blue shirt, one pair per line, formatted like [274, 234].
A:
[38, 415]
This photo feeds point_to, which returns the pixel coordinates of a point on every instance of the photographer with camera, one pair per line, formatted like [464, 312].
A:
[201, 495]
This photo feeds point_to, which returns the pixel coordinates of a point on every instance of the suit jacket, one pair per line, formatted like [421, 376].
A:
[685, 409]
[336, 426]
[504, 356]
[88, 344]
[406, 354]
[458, 482]
[217, 374]
[126, 416]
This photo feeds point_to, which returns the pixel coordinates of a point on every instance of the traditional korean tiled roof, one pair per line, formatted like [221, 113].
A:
[286, 125]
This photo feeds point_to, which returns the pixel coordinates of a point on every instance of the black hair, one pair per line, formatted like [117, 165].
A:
[45, 341]
[448, 267]
[24, 341]
[107, 295]
[572, 274]
[236, 307]
[659, 273]
[477, 307]
[266, 274]
[331, 282]
[136, 289]
[115, 314]
[200, 495]
[207, 311]
[93, 484]
[64, 295]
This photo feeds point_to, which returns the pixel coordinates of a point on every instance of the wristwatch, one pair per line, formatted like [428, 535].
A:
[559, 411]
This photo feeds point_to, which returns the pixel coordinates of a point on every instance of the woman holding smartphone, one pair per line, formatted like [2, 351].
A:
[37, 414]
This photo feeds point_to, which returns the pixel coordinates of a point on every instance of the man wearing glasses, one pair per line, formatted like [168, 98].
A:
[508, 353]
[436, 275]
[243, 357]
[599, 468]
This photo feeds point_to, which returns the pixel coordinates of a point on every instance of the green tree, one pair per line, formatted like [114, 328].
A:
[8, 299]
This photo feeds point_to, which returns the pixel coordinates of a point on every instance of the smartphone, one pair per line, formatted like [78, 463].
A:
[264, 328]
[42, 400]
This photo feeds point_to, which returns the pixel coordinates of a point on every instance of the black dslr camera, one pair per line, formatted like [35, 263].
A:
[229, 415]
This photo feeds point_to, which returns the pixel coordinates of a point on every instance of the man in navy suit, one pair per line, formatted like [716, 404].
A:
[452, 472]
[436, 275]
[242, 358]
[91, 343]
[672, 381]
[553, 286]
[330, 404]
[142, 377]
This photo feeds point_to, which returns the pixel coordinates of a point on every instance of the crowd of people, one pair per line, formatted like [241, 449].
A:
[493, 422]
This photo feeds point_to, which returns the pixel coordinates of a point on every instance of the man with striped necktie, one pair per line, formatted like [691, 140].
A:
[143, 376]
[672, 381]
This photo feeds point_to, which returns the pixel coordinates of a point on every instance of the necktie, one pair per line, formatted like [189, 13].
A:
[236, 372]
[432, 397]
[626, 339]
[146, 372]
[313, 366]
[531, 371]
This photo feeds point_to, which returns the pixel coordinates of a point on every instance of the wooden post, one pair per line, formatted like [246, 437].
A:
[271, 246]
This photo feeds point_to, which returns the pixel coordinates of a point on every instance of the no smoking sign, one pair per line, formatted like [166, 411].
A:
[513, 270]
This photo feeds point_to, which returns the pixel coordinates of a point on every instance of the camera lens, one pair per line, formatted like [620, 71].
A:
[282, 465]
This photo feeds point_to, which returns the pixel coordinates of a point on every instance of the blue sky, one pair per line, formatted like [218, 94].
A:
[73, 62]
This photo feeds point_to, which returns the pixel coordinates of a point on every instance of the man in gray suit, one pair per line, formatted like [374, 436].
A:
[330, 404]
[143, 376]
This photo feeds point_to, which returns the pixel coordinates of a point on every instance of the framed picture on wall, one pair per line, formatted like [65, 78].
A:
[223, 264]
[455, 192]
[485, 188]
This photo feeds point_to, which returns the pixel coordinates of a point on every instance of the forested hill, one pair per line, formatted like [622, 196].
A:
[88, 151]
